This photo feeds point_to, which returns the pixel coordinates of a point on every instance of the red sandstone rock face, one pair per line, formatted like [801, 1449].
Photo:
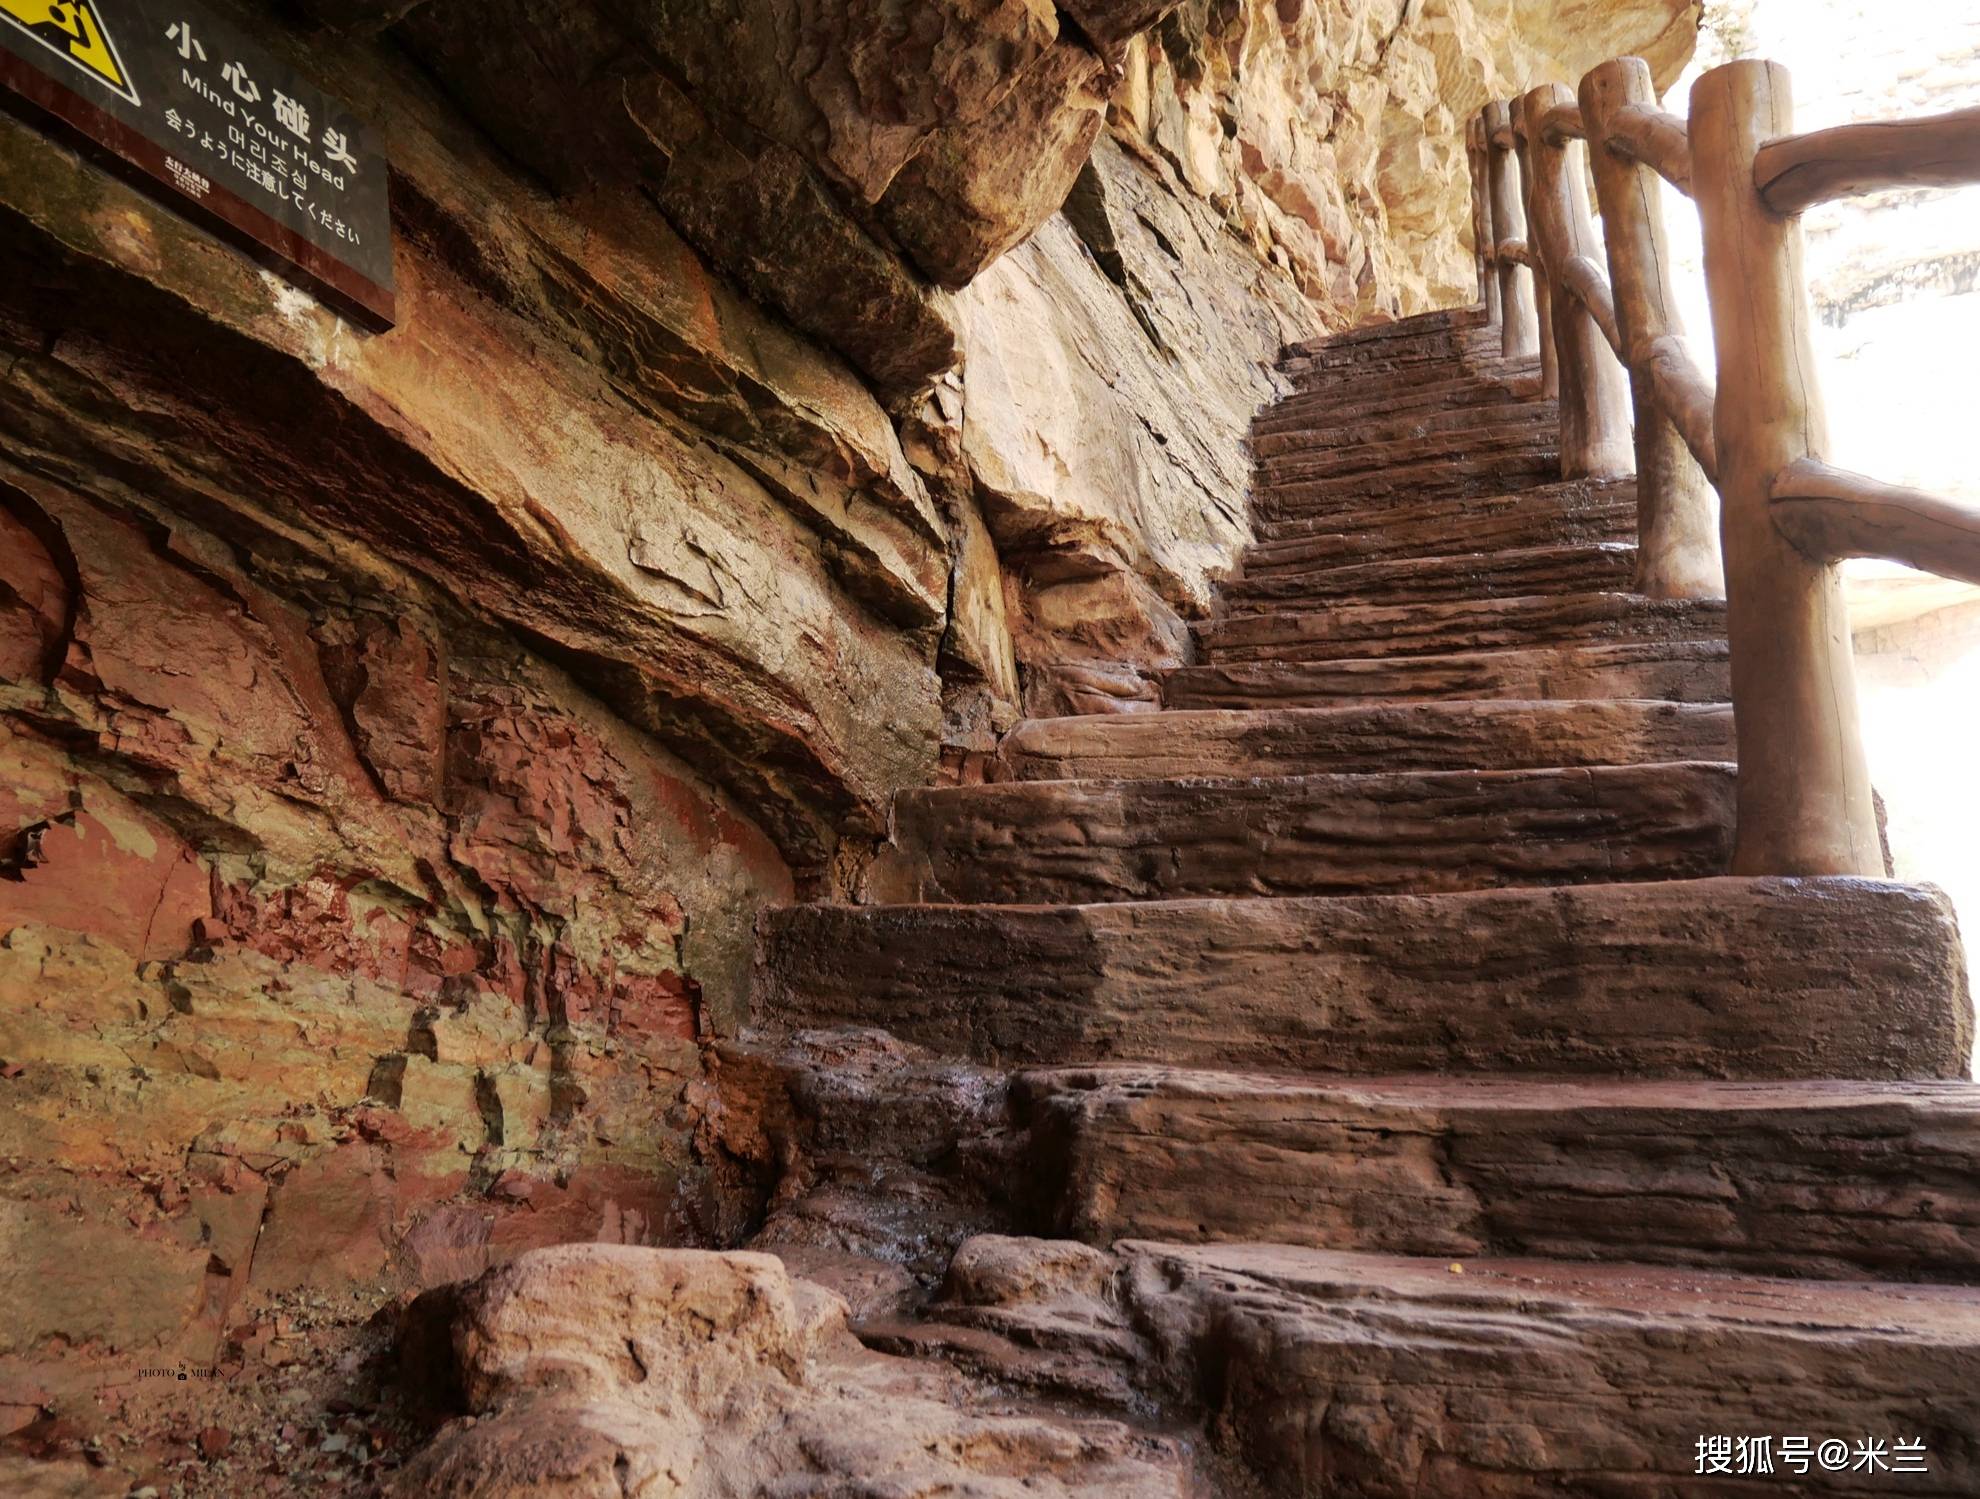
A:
[340, 942]
[710, 523]
[360, 923]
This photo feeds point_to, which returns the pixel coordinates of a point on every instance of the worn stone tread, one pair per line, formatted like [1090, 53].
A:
[1274, 430]
[1456, 735]
[1419, 831]
[1449, 318]
[1283, 498]
[1458, 625]
[1693, 671]
[1714, 978]
[1384, 1377]
[1435, 348]
[1382, 338]
[1365, 402]
[1361, 398]
[1842, 1180]
[1512, 572]
[1501, 440]
[1575, 510]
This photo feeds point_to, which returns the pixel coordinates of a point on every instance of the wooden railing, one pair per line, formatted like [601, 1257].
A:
[1611, 348]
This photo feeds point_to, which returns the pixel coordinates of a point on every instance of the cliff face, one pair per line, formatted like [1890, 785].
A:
[401, 732]
[1328, 133]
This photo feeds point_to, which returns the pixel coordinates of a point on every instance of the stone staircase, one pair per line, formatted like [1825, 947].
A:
[1435, 1114]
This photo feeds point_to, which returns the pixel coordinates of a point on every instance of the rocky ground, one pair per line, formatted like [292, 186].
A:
[309, 1396]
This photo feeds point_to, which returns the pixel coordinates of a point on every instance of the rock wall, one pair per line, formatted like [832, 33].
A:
[1328, 135]
[401, 732]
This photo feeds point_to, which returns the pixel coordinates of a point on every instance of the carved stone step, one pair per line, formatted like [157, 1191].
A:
[1523, 572]
[1437, 351]
[1681, 671]
[1483, 735]
[1478, 625]
[1467, 445]
[1575, 510]
[1452, 318]
[1389, 368]
[1718, 978]
[1296, 499]
[1398, 341]
[1403, 331]
[1386, 401]
[1274, 432]
[1850, 1180]
[1396, 337]
[1356, 396]
[1373, 1377]
[1386, 369]
[1072, 841]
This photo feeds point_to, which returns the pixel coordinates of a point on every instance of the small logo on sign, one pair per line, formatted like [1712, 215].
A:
[70, 29]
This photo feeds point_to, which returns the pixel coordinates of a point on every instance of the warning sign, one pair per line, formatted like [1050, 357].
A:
[188, 104]
[71, 29]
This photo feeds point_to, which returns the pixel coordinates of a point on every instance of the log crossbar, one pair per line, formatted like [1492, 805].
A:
[1657, 140]
[1799, 171]
[1782, 518]
[1591, 289]
[1561, 123]
[1832, 514]
[1516, 252]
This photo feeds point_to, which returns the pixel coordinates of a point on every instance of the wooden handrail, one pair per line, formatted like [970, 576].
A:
[1482, 238]
[1756, 433]
[1798, 171]
[1591, 288]
[1830, 514]
[1547, 385]
[1562, 124]
[1586, 376]
[1516, 252]
[1677, 514]
[1519, 329]
[1657, 140]
[1805, 804]
[1686, 397]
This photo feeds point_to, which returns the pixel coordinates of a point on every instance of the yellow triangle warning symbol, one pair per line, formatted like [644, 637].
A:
[71, 29]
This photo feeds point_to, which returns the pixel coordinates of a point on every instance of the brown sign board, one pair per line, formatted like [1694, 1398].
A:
[179, 101]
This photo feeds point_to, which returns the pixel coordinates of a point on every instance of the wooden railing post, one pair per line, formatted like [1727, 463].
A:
[1519, 332]
[1594, 396]
[1805, 803]
[1479, 155]
[1677, 522]
[1543, 301]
